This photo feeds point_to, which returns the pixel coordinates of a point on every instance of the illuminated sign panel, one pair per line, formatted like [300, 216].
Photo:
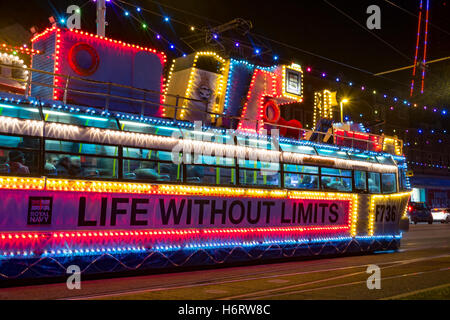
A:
[293, 82]
[55, 210]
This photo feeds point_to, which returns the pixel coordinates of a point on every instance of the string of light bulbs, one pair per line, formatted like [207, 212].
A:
[259, 52]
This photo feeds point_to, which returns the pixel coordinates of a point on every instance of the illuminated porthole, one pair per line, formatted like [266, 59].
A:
[83, 59]
[271, 112]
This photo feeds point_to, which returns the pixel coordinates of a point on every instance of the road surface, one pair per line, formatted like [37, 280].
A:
[420, 269]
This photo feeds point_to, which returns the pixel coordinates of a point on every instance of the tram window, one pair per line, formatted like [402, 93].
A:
[210, 175]
[298, 149]
[389, 183]
[79, 119]
[222, 139]
[147, 154]
[257, 178]
[20, 112]
[360, 180]
[385, 160]
[135, 126]
[152, 170]
[138, 127]
[255, 164]
[374, 182]
[19, 142]
[18, 162]
[256, 143]
[79, 147]
[336, 183]
[336, 172]
[81, 166]
[300, 168]
[301, 181]
[332, 153]
[362, 157]
[213, 160]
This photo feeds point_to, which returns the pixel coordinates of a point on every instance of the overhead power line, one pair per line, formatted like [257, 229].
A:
[414, 15]
[409, 67]
[256, 36]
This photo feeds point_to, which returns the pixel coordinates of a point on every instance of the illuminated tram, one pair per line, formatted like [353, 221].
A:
[114, 189]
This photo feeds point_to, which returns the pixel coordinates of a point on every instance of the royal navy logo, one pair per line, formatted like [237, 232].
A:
[40, 211]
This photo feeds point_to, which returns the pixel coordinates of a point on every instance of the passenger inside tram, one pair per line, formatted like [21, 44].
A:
[335, 183]
[68, 166]
[17, 162]
[309, 182]
[50, 165]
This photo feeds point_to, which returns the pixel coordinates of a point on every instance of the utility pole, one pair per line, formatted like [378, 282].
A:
[101, 17]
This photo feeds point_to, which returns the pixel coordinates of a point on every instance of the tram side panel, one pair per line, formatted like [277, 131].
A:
[77, 222]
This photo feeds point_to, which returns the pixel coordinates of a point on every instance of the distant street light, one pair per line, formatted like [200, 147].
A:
[342, 109]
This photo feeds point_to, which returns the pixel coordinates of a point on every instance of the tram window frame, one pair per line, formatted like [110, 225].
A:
[305, 175]
[97, 176]
[25, 113]
[116, 151]
[179, 173]
[243, 182]
[33, 168]
[395, 182]
[54, 116]
[362, 157]
[379, 182]
[333, 153]
[204, 159]
[244, 168]
[387, 160]
[312, 171]
[191, 163]
[116, 170]
[365, 179]
[341, 176]
[218, 177]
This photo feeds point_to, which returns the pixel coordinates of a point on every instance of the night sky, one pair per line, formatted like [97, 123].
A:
[310, 25]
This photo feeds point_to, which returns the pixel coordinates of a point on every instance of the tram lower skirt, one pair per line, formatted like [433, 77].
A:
[56, 266]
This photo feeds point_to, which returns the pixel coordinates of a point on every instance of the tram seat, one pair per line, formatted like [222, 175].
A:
[146, 173]
[164, 177]
[130, 175]
[150, 174]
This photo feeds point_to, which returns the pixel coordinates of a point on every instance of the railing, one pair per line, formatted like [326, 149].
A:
[370, 142]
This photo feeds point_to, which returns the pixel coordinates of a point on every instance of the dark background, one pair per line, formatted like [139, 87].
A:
[310, 25]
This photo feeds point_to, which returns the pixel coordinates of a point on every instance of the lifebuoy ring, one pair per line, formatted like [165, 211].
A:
[271, 112]
[74, 57]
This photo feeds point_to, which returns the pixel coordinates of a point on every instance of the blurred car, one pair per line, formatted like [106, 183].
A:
[419, 212]
[441, 215]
